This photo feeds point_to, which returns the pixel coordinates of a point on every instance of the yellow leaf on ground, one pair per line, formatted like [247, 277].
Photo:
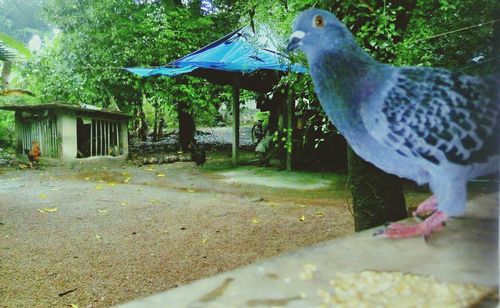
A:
[56, 189]
[302, 218]
[111, 184]
[126, 180]
[320, 214]
[190, 190]
[124, 203]
[161, 174]
[98, 187]
[255, 220]
[149, 169]
[155, 201]
[204, 240]
[43, 196]
[87, 179]
[101, 211]
[47, 210]
[98, 236]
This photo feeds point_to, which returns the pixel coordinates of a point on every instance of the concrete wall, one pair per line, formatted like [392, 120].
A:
[66, 128]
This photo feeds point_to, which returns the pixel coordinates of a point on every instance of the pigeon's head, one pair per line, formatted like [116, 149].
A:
[315, 30]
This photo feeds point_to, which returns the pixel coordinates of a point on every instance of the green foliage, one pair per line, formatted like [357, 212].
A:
[424, 44]
[12, 43]
[21, 19]
[5, 54]
[6, 129]
[99, 38]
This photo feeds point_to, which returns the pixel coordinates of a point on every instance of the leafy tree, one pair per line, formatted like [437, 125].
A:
[21, 19]
[99, 38]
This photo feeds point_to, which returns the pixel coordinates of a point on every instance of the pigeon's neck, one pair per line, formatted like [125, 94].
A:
[349, 65]
[342, 78]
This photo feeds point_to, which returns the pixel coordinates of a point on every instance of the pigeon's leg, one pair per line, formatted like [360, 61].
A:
[426, 208]
[433, 223]
[452, 196]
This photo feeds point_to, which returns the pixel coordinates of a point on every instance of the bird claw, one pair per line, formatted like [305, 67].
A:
[433, 223]
[426, 208]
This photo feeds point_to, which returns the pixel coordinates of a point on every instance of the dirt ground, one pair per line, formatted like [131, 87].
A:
[100, 233]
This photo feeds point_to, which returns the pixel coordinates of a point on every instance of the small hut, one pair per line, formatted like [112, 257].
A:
[68, 132]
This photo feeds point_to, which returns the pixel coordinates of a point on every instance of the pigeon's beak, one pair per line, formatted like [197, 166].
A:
[295, 40]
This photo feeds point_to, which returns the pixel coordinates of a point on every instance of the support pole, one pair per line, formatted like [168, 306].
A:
[290, 112]
[236, 121]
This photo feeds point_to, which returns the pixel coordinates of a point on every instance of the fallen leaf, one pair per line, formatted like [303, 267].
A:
[102, 211]
[126, 180]
[320, 214]
[255, 220]
[87, 179]
[190, 190]
[161, 174]
[155, 201]
[56, 189]
[124, 203]
[149, 169]
[111, 184]
[98, 236]
[47, 210]
[43, 196]
[98, 187]
[302, 218]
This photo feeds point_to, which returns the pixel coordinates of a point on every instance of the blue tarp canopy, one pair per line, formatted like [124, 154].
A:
[233, 57]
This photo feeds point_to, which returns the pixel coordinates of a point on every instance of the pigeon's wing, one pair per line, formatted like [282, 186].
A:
[437, 115]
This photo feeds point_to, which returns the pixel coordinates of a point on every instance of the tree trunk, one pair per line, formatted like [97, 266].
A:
[7, 66]
[187, 126]
[155, 124]
[377, 196]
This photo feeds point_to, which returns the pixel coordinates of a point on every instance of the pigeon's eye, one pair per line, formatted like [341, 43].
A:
[318, 22]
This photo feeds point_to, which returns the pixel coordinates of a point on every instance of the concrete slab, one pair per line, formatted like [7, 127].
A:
[465, 252]
[285, 179]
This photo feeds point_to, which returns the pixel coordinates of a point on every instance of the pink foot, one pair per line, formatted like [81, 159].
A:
[433, 223]
[426, 208]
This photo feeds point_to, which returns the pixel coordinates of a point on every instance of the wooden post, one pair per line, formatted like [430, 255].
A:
[290, 112]
[236, 120]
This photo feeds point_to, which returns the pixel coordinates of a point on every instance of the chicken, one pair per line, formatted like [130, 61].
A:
[33, 154]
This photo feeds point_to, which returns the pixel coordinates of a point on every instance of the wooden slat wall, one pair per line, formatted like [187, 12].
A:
[44, 131]
[104, 136]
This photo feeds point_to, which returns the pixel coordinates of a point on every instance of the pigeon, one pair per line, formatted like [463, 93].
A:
[429, 125]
